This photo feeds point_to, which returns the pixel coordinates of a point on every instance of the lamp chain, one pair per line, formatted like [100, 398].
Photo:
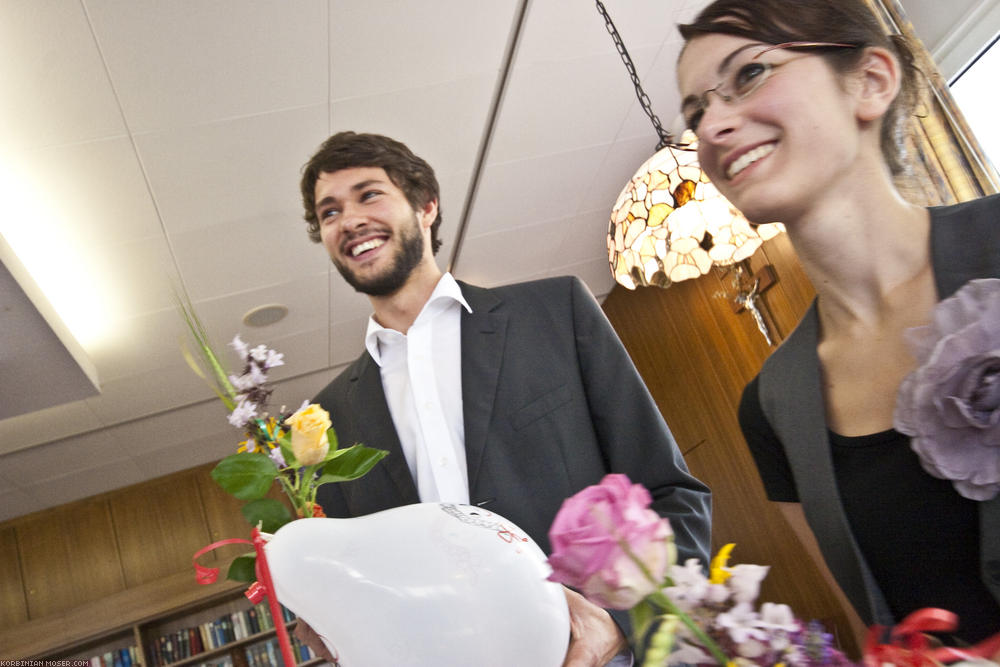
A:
[666, 138]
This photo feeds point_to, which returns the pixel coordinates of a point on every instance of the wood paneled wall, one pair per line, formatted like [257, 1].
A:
[131, 548]
[695, 355]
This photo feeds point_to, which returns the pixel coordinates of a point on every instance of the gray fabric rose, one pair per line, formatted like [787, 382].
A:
[950, 405]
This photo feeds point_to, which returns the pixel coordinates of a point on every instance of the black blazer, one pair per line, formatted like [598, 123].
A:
[965, 245]
[551, 402]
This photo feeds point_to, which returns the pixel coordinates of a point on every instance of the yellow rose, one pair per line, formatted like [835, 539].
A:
[308, 427]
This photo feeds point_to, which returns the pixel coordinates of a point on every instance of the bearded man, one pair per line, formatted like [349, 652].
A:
[514, 398]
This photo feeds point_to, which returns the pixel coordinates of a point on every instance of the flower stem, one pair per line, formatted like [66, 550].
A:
[662, 600]
[291, 492]
[659, 598]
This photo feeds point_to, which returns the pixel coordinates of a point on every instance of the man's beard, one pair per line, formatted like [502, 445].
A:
[407, 257]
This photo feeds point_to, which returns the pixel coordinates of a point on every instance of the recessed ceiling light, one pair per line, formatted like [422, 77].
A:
[261, 316]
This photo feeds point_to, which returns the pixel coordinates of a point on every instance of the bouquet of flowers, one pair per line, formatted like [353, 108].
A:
[298, 449]
[608, 544]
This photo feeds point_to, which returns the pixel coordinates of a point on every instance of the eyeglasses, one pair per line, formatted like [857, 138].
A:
[742, 82]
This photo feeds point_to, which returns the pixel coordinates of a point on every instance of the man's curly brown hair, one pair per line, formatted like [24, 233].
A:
[346, 150]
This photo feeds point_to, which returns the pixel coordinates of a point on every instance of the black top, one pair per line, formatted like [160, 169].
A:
[919, 537]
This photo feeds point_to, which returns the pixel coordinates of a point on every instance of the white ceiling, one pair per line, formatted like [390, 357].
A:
[159, 145]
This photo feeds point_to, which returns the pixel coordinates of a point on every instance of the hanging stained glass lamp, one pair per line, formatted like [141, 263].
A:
[671, 224]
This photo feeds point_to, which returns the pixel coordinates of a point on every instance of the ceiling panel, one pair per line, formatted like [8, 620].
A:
[382, 46]
[55, 423]
[445, 120]
[68, 175]
[98, 477]
[542, 115]
[230, 171]
[249, 254]
[149, 392]
[519, 193]
[505, 255]
[188, 62]
[55, 90]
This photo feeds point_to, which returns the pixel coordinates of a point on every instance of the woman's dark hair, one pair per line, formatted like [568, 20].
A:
[840, 21]
[346, 150]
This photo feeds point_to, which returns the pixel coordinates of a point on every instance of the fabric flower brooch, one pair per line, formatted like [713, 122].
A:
[950, 405]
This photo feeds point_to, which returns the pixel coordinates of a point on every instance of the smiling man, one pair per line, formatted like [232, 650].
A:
[512, 398]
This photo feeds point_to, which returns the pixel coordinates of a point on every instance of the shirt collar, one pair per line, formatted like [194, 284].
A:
[446, 291]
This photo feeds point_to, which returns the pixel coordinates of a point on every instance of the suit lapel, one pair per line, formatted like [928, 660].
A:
[791, 396]
[376, 429]
[952, 270]
[484, 331]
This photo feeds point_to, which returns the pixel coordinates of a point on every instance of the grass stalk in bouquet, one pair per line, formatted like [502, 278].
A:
[608, 544]
[297, 449]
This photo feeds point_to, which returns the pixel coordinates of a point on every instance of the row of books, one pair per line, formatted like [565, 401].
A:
[262, 654]
[228, 628]
[123, 657]
[268, 653]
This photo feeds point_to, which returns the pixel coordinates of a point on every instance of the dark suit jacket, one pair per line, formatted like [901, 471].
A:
[965, 244]
[551, 404]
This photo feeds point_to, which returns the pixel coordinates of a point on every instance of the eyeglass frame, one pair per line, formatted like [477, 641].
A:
[702, 99]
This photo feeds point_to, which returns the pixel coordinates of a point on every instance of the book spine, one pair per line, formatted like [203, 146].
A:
[272, 655]
[206, 636]
[254, 620]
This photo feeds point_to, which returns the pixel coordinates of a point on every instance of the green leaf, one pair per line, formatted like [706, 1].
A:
[333, 452]
[351, 463]
[242, 568]
[271, 514]
[246, 476]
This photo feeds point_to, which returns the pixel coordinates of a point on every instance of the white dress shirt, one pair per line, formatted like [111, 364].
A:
[422, 379]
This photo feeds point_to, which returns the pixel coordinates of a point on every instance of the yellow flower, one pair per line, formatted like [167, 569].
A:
[309, 441]
[717, 571]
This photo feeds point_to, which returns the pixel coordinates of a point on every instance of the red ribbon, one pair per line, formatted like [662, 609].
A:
[208, 575]
[265, 586]
[910, 647]
[258, 590]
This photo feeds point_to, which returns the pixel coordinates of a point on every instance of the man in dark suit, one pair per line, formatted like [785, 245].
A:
[513, 398]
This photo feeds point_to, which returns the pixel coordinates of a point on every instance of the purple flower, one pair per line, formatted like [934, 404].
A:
[241, 382]
[950, 405]
[240, 347]
[256, 375]
[741, 622]
[600, 533]
[278, 458]
[274, 359]
[745, 580]
[242, 413]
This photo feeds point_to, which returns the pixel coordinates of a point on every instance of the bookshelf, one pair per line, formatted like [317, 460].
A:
[214, 633]
[118, 649]
[99, 631]
[223, 630]
[98, 575]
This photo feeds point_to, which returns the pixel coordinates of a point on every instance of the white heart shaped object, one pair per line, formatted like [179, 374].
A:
[427, 584]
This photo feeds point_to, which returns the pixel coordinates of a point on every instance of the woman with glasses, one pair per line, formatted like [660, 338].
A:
[798, 108]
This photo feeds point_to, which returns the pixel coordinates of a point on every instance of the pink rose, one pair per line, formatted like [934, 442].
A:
[600, 533]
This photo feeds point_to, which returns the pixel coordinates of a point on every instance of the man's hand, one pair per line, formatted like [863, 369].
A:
[308, 636]
[594, 636]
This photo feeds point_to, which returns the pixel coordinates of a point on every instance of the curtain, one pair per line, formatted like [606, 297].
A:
[948, 164]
